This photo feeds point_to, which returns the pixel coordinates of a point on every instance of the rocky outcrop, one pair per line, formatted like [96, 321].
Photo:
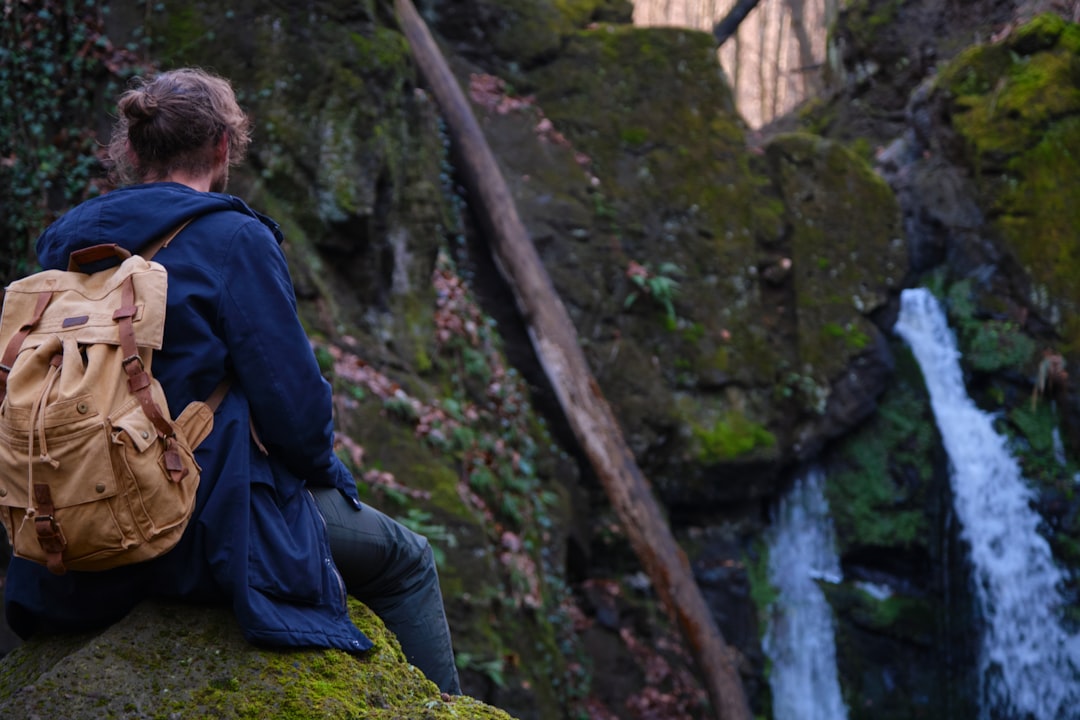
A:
[978, 162]
[174, 661]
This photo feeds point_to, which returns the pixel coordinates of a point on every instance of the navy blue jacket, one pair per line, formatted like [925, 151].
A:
[256, 539]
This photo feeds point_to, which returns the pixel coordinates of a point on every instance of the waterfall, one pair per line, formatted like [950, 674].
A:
[800, 637]
[1028, 667]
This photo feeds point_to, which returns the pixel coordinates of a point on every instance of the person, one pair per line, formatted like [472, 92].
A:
[278, 525]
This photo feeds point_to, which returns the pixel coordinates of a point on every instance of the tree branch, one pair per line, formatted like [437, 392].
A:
[731, 22]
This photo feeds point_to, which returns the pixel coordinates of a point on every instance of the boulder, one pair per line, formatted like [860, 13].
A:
[181, 661]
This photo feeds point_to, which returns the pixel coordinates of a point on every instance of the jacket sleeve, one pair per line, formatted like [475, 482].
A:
[290, 401]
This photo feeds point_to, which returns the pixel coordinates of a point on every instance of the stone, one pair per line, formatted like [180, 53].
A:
[185, 661]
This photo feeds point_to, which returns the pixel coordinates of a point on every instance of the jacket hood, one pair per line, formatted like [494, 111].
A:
[132, 217]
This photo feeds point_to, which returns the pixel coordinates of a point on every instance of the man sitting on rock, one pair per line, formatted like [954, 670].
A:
[278, 531]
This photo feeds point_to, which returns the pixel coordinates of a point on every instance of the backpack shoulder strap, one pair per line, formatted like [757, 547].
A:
[151, 250]
[222, 389]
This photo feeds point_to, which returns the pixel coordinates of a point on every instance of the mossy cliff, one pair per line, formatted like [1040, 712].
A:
[170, 661]
[983, 165]
[717, 313]
[1015, 106]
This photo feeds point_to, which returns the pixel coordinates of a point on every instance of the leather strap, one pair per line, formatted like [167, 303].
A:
[138, 378]
[95, 253]
[214, 401]
[15, 344]
[152, 249]
[49, 535]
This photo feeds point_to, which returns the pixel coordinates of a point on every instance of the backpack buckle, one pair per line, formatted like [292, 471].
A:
[49, 533]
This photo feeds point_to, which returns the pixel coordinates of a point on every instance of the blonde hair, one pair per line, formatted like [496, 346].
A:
[173, 122]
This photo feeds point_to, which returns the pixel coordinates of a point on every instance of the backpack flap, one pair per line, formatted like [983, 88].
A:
[82, 306]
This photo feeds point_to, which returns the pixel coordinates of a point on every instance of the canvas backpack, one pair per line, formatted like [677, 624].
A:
[94, 472]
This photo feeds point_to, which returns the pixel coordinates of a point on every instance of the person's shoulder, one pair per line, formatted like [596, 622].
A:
[251, 222]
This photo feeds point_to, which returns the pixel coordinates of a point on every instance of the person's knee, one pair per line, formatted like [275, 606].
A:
[415, 549]
[425, 556]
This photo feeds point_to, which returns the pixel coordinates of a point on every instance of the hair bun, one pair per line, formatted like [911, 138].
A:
[139, 106]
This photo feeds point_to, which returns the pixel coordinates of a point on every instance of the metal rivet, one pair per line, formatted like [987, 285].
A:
[144, 434]
[82, 408]
[100, 487]
[3, 492]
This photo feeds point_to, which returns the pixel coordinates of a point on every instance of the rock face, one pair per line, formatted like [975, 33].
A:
[977, 161]
[170, 661]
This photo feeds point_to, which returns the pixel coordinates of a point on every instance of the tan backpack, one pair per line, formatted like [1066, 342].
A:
[94, 473]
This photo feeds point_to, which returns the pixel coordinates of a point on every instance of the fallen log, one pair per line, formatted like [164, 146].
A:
[555, 341]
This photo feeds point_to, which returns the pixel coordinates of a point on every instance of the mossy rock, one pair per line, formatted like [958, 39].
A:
[179, 661]
[672, 189]
[1016, 106]
[848, 255]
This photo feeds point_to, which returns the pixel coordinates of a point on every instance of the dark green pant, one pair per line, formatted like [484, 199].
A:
[391, 569]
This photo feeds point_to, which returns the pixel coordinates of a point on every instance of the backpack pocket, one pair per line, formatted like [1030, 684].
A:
[160, 506]
[78, 470]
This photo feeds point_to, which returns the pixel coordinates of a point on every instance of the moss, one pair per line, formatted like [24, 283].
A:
[732, 436]
[1041, 33]
[1017, 107]
[852, 337]
[634, 135]
[528, 30]
[888, 655]
[185, 32]
[1039, 218]
[1004, 102]
[170, 660]
[675, 185]
[385, 54]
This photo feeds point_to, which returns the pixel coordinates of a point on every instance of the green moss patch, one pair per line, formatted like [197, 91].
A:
[731, 437]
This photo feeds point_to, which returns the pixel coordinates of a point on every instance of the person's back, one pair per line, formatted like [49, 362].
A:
[269, 474]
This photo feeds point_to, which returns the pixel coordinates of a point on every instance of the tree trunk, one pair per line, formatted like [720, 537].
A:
[555, 341]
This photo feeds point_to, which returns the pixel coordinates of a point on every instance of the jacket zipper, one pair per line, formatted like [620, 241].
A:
[333, 565]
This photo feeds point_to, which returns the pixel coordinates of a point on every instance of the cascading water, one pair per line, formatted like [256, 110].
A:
[800, 636]
[1029, 665]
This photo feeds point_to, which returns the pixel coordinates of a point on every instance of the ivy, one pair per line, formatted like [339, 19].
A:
[55, 62]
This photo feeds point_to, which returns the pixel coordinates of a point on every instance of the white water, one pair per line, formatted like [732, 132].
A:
[1029, 664]
[800, 636]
